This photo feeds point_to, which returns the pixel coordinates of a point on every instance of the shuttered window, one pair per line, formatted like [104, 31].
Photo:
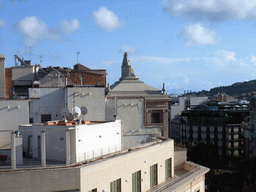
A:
[115, 186]
[45, 118]
[168, 168]
[153, 175]
[136, 181]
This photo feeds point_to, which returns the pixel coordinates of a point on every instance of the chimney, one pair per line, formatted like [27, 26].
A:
[2, 77]
[163, 90]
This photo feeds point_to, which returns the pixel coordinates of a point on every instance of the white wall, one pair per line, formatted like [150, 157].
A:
[101, 173]
[91, 97]
[97, 174]
[176, 109]
[52, 101]
[12, 113]
[46, 101]
[55, 139]
[96, 139]
[84, 139]
[23, 73]
[131, 113]
[47, 180]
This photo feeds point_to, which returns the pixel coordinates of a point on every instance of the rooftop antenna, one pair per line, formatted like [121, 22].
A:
[41, 59]
[30, 52]
[77, 56]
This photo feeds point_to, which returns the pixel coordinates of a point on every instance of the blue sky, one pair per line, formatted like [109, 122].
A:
[186, 44]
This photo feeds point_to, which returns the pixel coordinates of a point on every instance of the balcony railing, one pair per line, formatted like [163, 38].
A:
[170, 182]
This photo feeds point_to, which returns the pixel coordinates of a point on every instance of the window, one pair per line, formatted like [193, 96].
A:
[156, 117]
[115, 186]
[45, 118]
[136, 181]
[153, 175]
[93, 190]
[31, 120]
[168, 168]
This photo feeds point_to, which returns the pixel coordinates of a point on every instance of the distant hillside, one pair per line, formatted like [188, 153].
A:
[234, 89]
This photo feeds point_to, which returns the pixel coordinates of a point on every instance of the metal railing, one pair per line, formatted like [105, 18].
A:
[178, 179]
[87, 156]
[136, 142]
[30, 163]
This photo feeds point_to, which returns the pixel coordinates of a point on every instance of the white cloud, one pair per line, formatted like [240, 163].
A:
[128, 49]
[198, 35]
[226, 55]
[34, 30]
[164, 59]
[69, 27]
[2, 23]
[223, 57]
[211, 10]
[220, 57]
[253, 59]
[106, 19]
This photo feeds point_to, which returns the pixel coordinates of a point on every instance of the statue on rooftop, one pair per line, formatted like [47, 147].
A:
[126, 61]
[127, 70]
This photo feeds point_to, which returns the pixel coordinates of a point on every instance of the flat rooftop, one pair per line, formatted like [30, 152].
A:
[35, 164]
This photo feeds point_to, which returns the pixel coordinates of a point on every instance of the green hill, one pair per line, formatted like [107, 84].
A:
[234, 89]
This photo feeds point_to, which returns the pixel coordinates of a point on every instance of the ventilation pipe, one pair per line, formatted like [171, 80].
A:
[43, 149]
[13, 150]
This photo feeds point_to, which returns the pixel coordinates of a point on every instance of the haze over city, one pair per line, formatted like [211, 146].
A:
[189, 45]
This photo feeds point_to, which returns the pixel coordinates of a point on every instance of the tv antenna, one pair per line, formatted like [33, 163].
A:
[30, 52]
[41, 59]
[77, 56]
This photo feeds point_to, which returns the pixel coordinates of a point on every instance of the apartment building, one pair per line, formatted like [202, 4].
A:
[218, 124]
[181, 103]
[67, 156]
[153, 166]
[249, 131]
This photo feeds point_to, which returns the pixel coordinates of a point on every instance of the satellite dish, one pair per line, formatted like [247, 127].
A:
[65, 112]
[84, 110]
[76, 112]
[70, 117]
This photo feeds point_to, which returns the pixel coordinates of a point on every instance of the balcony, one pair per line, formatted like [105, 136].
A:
[185, 173]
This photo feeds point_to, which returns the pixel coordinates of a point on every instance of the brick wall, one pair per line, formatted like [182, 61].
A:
[87, 78]
[8, 81]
